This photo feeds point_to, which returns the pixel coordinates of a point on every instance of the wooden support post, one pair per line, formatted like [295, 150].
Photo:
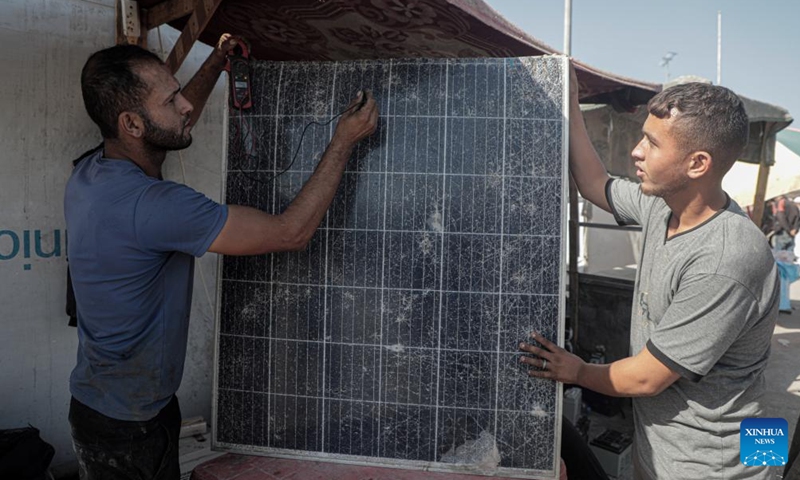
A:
[763, 177]
[166, 12]
[574, 246]
[201, 15]
[119, 38]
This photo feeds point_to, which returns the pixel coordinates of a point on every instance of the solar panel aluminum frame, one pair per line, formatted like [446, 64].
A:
[401, 463]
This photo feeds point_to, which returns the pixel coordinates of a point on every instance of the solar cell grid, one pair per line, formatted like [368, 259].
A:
[393, 338]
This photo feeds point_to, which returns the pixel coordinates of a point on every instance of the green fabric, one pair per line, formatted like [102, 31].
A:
[791, 138]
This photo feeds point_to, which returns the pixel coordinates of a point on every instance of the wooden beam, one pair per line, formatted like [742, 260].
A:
[119, 38]
[763, 177]
[203, 11]
[166, 12]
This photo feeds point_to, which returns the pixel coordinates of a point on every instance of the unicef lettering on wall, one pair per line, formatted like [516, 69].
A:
[24, 246]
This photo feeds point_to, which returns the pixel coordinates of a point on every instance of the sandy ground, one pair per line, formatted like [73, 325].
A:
[783, 372]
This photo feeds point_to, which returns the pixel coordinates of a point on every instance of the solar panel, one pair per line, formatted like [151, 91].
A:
[393, 339]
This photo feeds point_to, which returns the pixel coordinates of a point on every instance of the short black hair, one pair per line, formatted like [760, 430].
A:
[111, 85]
[709, 118]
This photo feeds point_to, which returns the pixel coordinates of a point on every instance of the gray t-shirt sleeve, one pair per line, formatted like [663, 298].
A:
[707, 314]
[628, 204]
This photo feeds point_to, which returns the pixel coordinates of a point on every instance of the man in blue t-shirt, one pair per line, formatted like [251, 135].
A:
[133, 239]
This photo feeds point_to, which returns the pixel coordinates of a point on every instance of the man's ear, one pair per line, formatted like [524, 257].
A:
[130, 124]
[700, 163]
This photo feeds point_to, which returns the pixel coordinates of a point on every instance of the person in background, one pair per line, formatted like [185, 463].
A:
[768, 219]
[786, 223]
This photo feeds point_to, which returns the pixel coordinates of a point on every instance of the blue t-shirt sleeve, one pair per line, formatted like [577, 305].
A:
[173, 217]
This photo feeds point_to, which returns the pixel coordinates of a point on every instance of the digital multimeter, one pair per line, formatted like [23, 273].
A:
[239, 68]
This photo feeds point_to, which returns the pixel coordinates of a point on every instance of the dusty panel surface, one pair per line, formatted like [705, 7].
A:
[393, 338]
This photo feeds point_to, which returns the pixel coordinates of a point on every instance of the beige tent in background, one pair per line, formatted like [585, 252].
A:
[784, 177]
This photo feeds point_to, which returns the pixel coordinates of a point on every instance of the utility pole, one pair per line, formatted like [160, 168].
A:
[568, 27]
[719, 47]
[665, 62]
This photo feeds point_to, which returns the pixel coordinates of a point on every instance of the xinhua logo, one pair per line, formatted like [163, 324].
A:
[764, 442]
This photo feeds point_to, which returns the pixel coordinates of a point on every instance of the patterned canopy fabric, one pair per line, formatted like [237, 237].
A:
[373, 29]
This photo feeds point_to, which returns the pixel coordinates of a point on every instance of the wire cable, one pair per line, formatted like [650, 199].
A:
[299, 142]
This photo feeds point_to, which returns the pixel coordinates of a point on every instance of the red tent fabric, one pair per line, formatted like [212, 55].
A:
[370, 29]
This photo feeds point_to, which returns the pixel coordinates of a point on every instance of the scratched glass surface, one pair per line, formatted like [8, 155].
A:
[393, 337]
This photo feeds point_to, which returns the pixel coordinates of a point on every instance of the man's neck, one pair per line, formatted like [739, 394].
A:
[149, 161]
[692, 208]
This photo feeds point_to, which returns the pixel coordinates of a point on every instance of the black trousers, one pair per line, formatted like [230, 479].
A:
[108, 448]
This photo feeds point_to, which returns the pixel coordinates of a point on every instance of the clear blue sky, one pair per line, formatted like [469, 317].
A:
[760, 40]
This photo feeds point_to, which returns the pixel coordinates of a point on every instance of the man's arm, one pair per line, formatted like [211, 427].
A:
[640, 376]
[584, 164]
[249, 231]
[202, 83]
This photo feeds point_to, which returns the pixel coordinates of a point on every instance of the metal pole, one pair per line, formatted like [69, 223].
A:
[568, 27]
[719, 47]
[572, 225]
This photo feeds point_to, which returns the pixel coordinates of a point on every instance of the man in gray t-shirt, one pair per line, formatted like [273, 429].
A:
[704, 305]
[706, 295]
